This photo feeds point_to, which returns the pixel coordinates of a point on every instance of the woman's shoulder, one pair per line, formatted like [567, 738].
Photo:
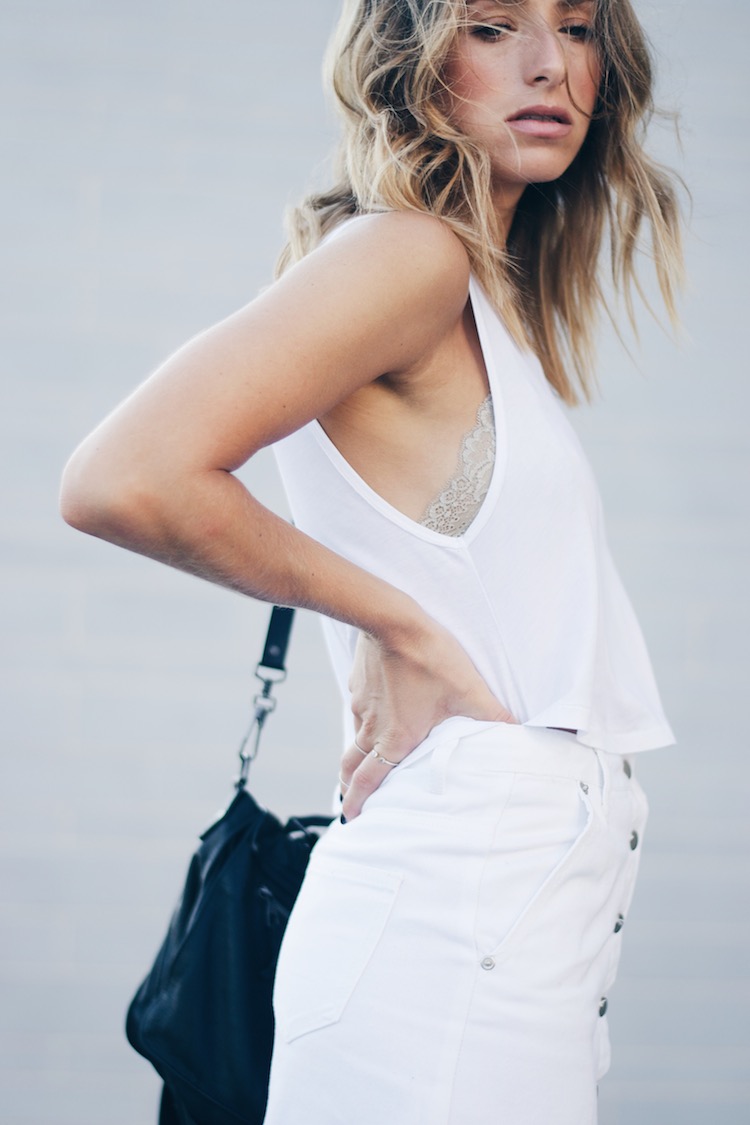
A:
[418, 253]
[381, 291]
[404, 228]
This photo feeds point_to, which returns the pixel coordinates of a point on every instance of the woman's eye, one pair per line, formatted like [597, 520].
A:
[490, 31]
[583, 32]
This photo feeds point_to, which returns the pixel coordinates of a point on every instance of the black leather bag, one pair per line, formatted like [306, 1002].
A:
[203, 1015]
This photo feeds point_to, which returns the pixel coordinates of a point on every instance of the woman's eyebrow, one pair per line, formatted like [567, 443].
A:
[492, 4]
[568, 5]
[562, 5]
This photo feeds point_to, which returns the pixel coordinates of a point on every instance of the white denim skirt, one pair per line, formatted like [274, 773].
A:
[449, 956]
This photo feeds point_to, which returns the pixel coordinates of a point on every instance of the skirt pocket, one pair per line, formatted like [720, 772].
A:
[546, 822]
[333, 931]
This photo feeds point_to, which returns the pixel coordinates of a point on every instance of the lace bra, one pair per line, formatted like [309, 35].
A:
[454, 508]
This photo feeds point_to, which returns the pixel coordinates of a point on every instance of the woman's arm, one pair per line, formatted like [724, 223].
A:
[156, 476]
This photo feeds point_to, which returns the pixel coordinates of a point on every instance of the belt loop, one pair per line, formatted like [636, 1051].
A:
[439, 761]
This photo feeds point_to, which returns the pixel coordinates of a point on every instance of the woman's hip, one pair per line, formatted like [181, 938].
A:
[519, 850]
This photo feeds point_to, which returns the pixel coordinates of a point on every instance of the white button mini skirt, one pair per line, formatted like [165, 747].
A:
[449, 956]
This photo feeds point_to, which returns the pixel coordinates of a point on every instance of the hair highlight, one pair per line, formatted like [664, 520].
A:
[400, 151]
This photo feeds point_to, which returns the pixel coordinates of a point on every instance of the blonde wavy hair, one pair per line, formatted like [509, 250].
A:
[400, 151]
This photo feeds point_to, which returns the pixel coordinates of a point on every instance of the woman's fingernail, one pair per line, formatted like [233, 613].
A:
[343, 819]
[341, 797]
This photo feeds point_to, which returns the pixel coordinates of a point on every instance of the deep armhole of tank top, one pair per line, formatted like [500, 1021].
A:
[479, 309]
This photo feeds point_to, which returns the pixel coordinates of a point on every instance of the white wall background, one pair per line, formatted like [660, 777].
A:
[147, 151]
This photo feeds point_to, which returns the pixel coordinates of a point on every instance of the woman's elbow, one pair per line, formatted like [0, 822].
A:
[99, 499]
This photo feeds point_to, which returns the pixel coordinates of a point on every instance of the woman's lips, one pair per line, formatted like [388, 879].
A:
[546, 122]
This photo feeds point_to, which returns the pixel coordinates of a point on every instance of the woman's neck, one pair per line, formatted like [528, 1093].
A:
[506, 201]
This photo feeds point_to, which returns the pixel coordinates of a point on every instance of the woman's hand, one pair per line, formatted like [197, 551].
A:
[400, 691]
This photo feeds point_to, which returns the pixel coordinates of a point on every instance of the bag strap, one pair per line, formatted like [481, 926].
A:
[270, 670]
[277, 640]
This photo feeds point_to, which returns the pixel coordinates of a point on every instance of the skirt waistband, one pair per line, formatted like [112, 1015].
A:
[500, 748]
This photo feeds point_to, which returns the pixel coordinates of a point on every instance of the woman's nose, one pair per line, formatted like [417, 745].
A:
[544, 57]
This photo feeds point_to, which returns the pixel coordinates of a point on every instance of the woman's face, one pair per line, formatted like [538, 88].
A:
[524, 77]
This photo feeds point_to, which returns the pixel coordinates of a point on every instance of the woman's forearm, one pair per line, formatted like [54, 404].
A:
[209, 525]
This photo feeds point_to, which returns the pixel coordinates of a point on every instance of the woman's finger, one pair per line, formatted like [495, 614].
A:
[359, 748]
[367, 777]
[351, 759]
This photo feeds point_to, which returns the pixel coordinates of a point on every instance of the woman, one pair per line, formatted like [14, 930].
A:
[449, 955]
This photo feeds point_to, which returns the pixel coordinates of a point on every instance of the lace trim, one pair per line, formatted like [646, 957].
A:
[453, 510]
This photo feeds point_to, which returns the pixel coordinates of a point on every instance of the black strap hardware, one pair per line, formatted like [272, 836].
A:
[270, 670]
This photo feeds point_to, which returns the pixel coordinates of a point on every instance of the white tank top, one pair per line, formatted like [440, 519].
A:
[529, 589]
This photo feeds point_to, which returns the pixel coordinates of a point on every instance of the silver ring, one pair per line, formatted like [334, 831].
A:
[380, 758]
[358, 747]
[342, 783]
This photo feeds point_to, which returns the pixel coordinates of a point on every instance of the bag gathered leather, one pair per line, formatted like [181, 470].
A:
[203, 1016]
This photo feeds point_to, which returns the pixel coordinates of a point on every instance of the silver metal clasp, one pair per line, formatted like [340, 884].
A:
[263, 704]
